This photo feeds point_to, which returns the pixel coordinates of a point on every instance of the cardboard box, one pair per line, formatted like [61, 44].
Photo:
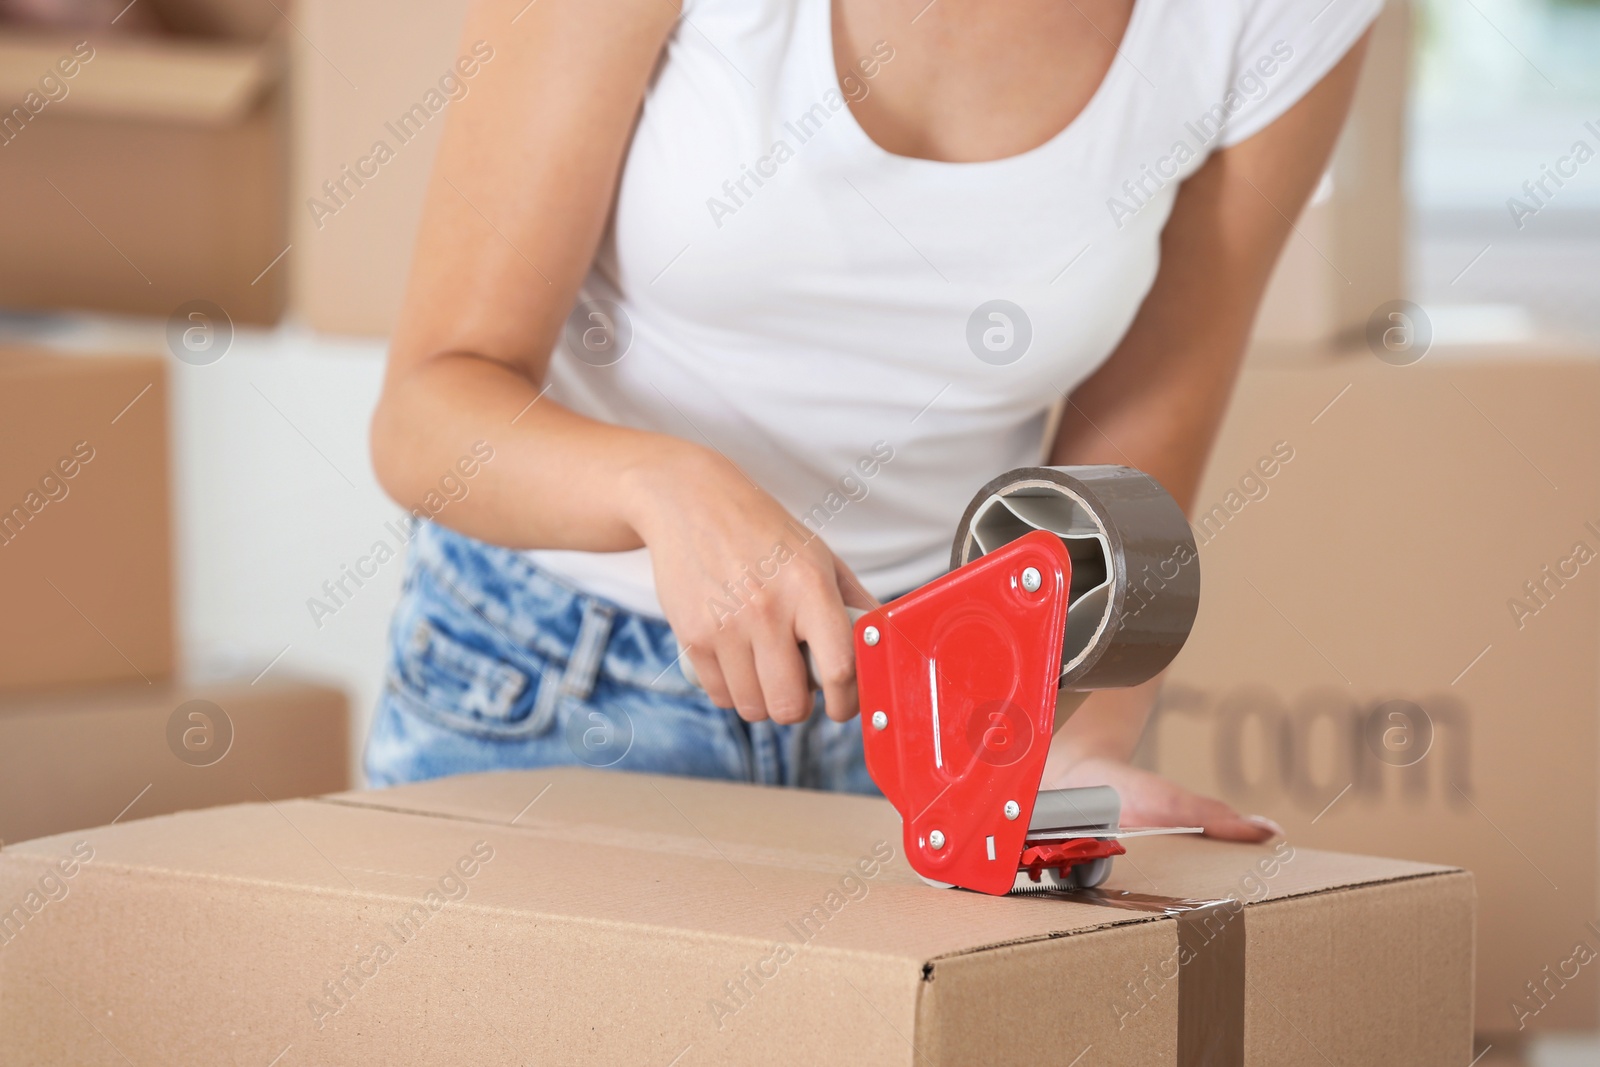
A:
[1346, 256]
[1388, 657]
[355, 219]
[85, 565]
[587, 917]
[144, 173]
[1510, 1053]
[75, 760]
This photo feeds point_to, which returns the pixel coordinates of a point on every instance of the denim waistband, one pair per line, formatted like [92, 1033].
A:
[534, 609]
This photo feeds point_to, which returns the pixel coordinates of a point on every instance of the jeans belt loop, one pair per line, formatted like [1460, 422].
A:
[583, 667]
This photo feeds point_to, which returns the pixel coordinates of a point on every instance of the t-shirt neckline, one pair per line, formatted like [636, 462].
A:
[827, 75]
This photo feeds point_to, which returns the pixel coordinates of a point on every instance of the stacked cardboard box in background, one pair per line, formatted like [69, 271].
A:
[85, 565]
[93, 712]
[144, 172]
[354, 219]
[1396, 646]
[83, 757]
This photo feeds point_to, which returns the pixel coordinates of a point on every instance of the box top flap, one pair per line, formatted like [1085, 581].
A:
[249, 20]
[680, 857]
[150, 79]
[30, 362]
[119, 697]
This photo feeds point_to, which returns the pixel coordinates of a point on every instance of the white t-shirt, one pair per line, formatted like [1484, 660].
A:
[872, 337]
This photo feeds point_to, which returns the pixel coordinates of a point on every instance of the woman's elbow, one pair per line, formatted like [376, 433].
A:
[387, 438]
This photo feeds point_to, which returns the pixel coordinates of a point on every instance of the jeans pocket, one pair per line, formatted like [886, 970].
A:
[448, 680]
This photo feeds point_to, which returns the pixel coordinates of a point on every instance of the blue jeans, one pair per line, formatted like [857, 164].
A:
[495, 664]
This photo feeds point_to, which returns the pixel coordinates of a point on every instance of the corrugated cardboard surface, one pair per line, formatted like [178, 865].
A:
[1380, 565]
[86, 577]
[350, 267]
[151, 79]
[608, 918]
[81, 758]
[158, 177]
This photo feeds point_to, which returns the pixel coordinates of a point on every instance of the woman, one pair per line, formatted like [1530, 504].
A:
[718, 318]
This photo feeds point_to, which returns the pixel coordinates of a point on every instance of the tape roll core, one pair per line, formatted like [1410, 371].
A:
[1136, 571]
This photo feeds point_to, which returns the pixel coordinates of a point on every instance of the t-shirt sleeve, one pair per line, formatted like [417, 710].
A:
[1286, 47]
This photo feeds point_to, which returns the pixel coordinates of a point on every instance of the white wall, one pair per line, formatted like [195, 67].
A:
[275, 494]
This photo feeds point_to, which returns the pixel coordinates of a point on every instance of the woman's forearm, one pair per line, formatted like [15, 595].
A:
[525, 177]
[554, 479]
[1108, 725]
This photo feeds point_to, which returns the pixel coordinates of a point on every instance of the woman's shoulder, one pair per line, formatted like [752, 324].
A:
[1240, 26]
[1282, 48]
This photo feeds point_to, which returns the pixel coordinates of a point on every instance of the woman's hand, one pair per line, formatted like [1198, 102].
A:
[1151, 800]
[743, 583]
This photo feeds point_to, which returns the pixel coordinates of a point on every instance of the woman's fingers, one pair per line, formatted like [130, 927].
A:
[1219, 820]
[760, 678]
[826, 631]
[708, 673]
[783, 675]
[738, 665]
[1251, 828]
[1151, 800]
[828, 634]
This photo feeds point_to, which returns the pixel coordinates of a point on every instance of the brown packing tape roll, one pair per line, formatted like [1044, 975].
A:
[1130, 544]
[1211, 979]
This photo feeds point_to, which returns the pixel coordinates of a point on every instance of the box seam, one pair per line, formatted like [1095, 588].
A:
[1446, 872]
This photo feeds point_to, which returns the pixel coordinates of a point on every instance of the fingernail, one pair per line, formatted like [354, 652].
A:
[1266, 824]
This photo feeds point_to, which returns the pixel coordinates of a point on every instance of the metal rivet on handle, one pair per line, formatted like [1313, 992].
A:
[1031, 580]
[870, 635]
[1013, 809]
[879, 720]
[936, 839]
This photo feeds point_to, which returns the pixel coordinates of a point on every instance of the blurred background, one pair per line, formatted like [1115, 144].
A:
[203, 251]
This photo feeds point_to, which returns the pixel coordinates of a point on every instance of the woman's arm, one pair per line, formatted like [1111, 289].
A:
[524, 178]
[526, 174]
[1157, 402]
